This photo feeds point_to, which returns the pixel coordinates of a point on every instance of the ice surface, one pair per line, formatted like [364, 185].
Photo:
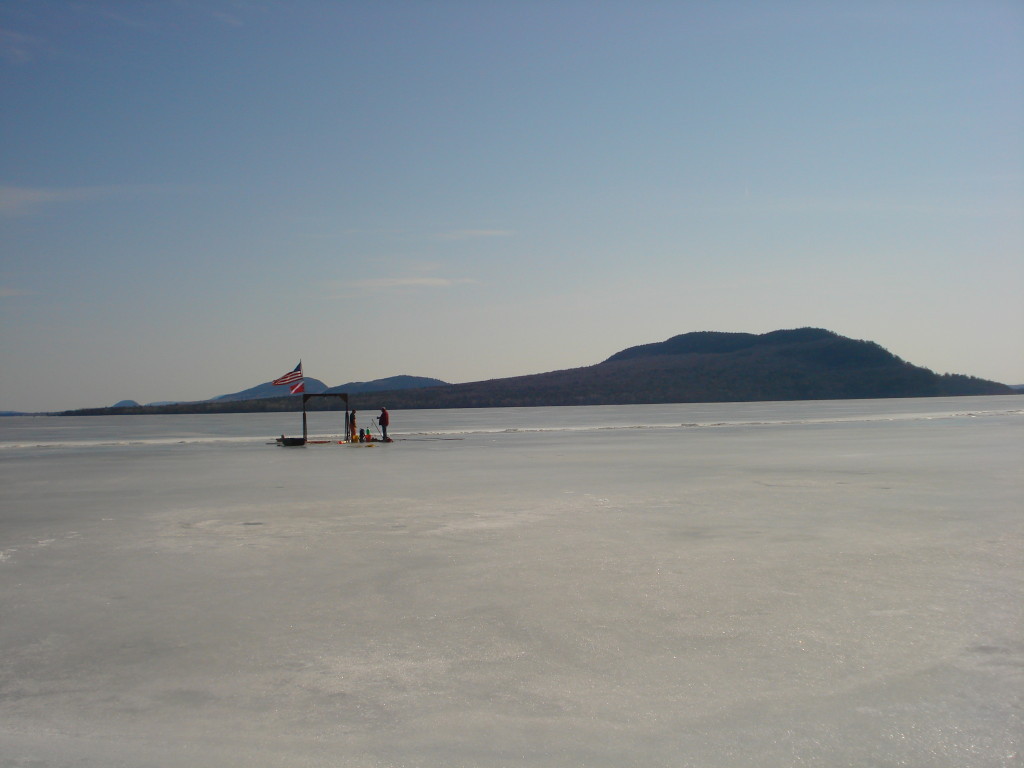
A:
[774, 584]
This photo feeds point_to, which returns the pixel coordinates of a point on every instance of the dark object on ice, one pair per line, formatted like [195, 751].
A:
[297, 441]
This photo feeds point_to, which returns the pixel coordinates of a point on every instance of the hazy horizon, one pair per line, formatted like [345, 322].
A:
[284, 391]
[196, 195]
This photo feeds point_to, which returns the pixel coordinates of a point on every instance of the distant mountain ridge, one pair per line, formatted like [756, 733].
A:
[708, 366]
[269, 390]
[316, 387]
[704, 366]
[715, 342]
[390, 384]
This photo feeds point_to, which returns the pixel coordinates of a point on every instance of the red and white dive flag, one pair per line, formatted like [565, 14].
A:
[293, 379]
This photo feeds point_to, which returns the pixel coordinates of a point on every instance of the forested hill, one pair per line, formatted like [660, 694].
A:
[801, 364]
[711, 342]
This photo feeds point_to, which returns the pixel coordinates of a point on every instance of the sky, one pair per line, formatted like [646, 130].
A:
[197, 194]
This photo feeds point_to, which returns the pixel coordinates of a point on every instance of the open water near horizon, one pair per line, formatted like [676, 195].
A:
[728, 584]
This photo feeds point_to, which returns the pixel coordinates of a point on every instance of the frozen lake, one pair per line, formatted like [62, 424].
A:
[706, 585]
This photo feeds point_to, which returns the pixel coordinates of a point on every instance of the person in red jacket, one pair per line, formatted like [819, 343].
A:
[384, 419]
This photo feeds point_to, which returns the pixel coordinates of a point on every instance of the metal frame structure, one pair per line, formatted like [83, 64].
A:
[305, 397]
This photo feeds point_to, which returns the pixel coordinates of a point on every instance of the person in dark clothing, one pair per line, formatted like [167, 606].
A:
[384, 419]
[353, 432]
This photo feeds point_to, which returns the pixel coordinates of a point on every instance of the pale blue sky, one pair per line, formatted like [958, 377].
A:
[194, 194]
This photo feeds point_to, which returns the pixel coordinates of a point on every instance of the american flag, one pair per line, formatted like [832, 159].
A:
[293, 379]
